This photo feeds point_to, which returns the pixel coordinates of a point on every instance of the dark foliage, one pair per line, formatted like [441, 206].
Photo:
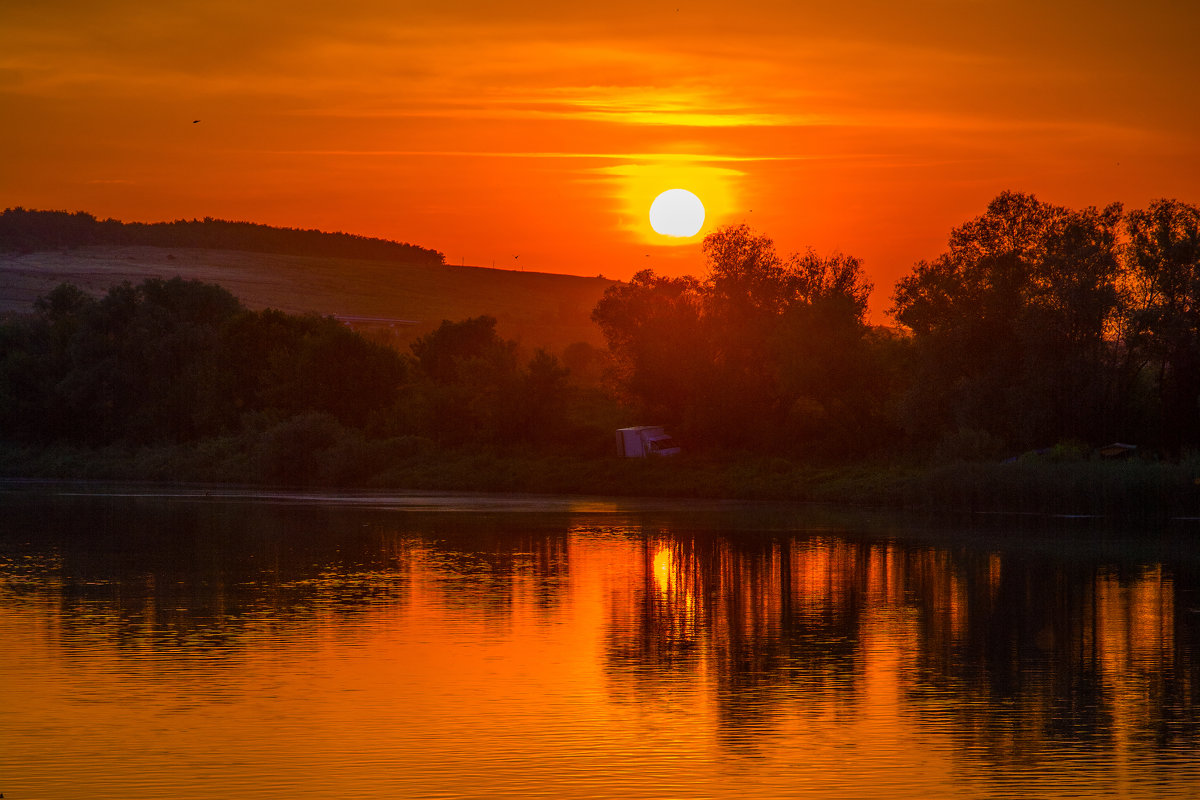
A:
[470, 387]
[295, 364]
[1039, 326]
[1010, 324]
[1164, 315]
[275, 397]
[27, 231]
[767, 353]
[176, 361]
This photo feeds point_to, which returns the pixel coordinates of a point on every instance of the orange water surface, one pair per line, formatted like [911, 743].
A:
[192, 644]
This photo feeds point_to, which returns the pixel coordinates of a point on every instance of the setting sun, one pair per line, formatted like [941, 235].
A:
[678, 213]
[599, 399]
[488, 130]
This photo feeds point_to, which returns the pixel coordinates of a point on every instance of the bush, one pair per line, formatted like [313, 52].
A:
[968, 444]
[297, 450]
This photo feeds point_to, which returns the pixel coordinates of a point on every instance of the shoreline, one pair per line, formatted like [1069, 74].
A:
[1124, 491]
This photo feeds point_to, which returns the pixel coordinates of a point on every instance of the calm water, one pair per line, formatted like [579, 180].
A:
[287, 646]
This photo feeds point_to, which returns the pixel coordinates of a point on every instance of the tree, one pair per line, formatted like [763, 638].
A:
[331, 369]
[28, 230]
[290, 365]
[746, 277]
[140, 365]
[177, 361]
[474, 389]
[826, 359]
[1010, 323]
[543, 399]
[728, 358]
[443, 353]
[660, 346]
[1164, 260]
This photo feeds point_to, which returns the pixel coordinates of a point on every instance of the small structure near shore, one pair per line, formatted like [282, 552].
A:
[643, 441]
[1117, 450]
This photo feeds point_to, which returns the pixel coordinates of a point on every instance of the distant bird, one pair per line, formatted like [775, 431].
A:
[195, 121]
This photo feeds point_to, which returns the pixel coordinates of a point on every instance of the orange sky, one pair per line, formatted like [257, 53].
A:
[488, 130]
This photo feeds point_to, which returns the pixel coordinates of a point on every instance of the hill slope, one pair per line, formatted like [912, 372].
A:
[29, 230]
[537, 309]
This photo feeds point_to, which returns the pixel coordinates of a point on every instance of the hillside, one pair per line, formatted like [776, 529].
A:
[537, 309]
[29, 230]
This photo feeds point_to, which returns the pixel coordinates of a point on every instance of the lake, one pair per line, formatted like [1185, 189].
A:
[163, 643]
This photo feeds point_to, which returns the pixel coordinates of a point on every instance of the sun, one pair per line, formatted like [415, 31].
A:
[636, 186]
[678, 213]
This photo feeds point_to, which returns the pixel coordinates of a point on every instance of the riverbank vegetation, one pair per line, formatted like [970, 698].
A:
[317, 453]
[1042, 334]
[1039, 325]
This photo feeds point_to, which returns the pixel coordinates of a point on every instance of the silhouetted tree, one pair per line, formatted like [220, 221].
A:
[442, 354]
[329, 368]
[738, 357]
[828, 360]
[660, 355]
[141, 366]
[1164, 261]
[174, 360]
[1010, 324]
[544, 394]
[475, 390]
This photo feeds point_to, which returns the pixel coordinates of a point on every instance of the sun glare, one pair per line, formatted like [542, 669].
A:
[677, 212]
[638, 187]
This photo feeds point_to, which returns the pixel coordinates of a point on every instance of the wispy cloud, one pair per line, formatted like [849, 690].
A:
[687, 106]
[635, 157]
[559, 119]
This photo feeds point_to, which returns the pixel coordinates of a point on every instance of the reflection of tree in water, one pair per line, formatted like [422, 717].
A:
[766, 618]
[1067, 649]
[1074, 654]
[213, 576]
[494, 564]
[147, 574]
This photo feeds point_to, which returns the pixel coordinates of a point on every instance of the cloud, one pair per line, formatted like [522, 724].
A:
[708, 67]
[656, 157]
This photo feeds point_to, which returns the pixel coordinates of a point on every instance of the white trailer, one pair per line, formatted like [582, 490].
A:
[644, 441]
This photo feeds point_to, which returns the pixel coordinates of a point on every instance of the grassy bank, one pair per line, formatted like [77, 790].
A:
[1142, 490]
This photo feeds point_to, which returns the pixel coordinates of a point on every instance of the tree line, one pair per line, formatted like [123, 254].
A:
[169, 362]
[27, 231]
[1040, 324]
